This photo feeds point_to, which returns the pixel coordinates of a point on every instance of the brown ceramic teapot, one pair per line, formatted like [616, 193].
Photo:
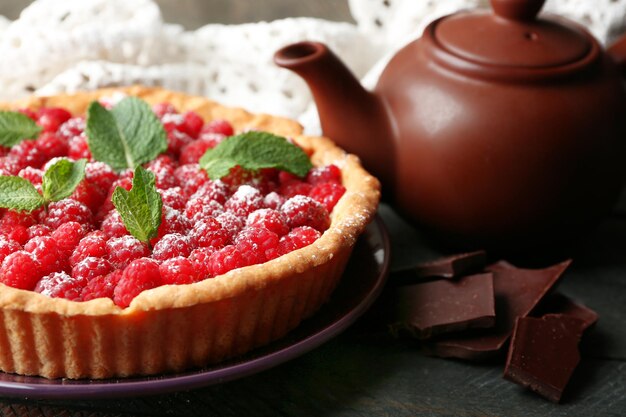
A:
[494, 128]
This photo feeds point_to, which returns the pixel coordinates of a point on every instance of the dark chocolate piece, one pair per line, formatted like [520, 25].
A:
[544, 353]
[431, 308]
[452, 266]
[517, 292]
[560, 304]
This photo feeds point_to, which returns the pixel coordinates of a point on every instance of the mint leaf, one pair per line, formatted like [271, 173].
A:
[127, 136]
[15, 127]
[62, 178]
[140, 208]
[17, 193]
[255, 150]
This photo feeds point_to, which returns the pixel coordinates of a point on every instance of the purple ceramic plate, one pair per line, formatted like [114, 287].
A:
[361, 284]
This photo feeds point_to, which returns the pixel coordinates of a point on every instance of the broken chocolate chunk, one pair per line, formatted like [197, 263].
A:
[544, 353]
[560, 304]
[431, 308]
[452, 266]
[517, 292]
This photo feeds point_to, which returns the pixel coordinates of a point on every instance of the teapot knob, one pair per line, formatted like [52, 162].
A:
[521, 10]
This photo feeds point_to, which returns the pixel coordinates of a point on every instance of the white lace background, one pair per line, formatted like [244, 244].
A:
[70, 45]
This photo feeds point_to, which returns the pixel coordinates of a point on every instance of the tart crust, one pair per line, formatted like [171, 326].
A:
[177, 327]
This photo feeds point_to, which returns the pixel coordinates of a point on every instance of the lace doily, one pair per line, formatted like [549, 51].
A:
[70, 45]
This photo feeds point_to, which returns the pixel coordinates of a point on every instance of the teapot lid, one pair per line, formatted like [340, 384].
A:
[512, 36]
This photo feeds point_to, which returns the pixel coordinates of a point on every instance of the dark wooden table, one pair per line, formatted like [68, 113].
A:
[364, 372]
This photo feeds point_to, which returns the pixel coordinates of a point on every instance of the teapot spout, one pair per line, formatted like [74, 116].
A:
[354, 118]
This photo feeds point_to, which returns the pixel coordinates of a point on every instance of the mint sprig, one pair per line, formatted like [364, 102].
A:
[126, 136]
[18, 193]
[58, 182]
[15, 127]
[140, 208]
[253, 151]
[61, 179]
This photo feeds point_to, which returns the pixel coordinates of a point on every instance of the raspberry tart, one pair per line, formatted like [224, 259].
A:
[142, 259]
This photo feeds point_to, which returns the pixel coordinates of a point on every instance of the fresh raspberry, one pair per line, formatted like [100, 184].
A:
[328, 173]
[163, 169]
[192, 124]
[38, 230]
[68, 210]
[100, 174]
[173, 198]
[90, 268]
[202, 207]
[141, 274]
[125, 249]
[216, 190]
[161, 109]
[273, 200]
[90, 195]
[244, 201]
[226, 259]
[176, 140]
[257, 244]
[92, 245]
[297, 238]
[29, 113]
[304, 211]
[73, 127]
[200, 259]
[170, 246]
[238, 176]
[327, 193]
[4, 150]
[192, 152]
[78, 148]
[46, 250]
[20, 270]
[219, 126]
[7, 247]
[102, 286]
[113, 226]
[61, 285]
[27, 154]
[52, 145]
[209, 232]
[190, 177]
[272, 220]
[231, 223]
[172, 221]
[14, 218]
[34, 175]
[295, 188]
[68, 235]
[9, 165]
[18, 233]
[178, 270]
[50, 118]
[285, 178]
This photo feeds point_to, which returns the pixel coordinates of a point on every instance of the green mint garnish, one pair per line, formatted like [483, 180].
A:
[140, 208]
[59, 181]
[15, 127]
[126, 136]
[62, 178]
[18, 193]
[253, 151]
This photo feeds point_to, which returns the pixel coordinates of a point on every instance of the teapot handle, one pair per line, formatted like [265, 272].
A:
[617, 51]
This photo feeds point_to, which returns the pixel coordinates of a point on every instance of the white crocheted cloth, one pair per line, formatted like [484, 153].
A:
[69, 45]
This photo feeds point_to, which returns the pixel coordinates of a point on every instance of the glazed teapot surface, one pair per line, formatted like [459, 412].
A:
[494, 129]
